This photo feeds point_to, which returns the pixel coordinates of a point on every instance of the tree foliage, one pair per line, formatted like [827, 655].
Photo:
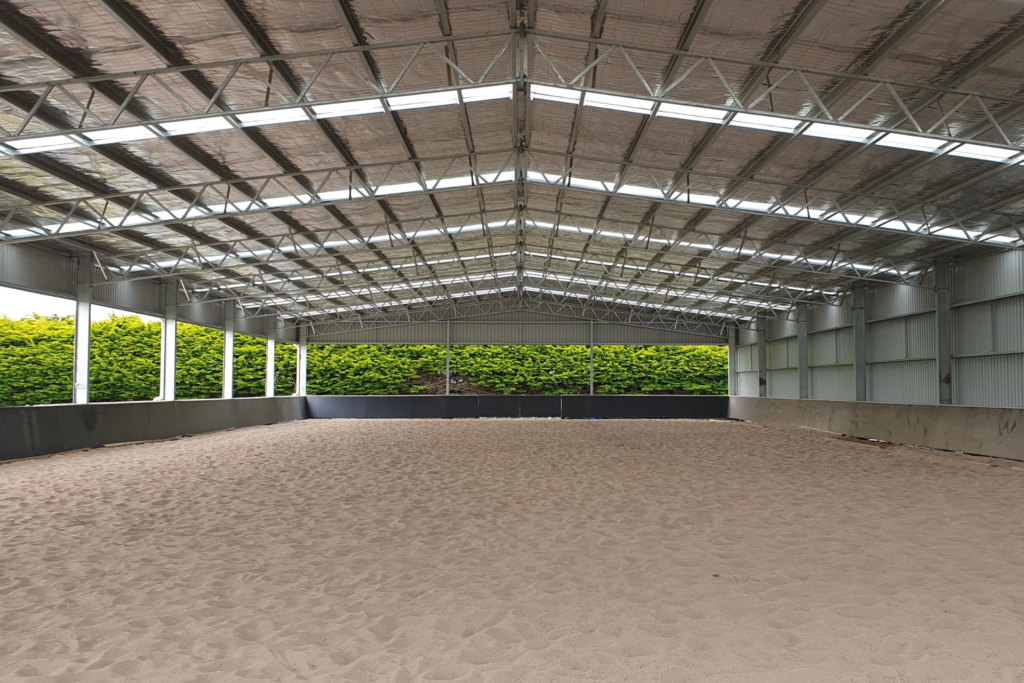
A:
[37, 360]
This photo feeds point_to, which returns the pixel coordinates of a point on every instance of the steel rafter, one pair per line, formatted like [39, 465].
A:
[719, 83]
[707, 191]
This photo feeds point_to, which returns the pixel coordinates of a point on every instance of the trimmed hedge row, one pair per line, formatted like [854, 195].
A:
[36, 365]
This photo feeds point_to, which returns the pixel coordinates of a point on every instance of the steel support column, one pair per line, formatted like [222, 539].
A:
[762, 357]
[169, 342]
[944, 331]
[448, 357]
[228, 373]
[734, 386]
[300, 363]
[271, 348]
[83, 330]
[591, 357]
[802, 351]
[860, 343]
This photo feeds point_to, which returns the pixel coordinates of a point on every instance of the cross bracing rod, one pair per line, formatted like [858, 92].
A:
[212, 258]
[603, 279]
[339, 185]
[467, 309]
[566, 304]
[539, 267]
[206, 285]
[712, 84]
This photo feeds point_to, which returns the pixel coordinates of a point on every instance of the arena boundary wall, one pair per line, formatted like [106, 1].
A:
[997, 432]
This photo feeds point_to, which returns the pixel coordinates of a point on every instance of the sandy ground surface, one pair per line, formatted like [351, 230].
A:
[511, 551]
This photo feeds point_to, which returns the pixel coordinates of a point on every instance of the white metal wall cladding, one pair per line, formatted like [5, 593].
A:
[614, 333]
[828, 317]
[989, 327]
[784, 383]
[137, 296]
[254, 327]
[835, 383]
[890, 301]
[902, 338]
[210, 314]
[748, 335]
[779, 328]
[989, 380]
[989, 277]
[414, 333]
[37, 270]
[782, 353]
[831, 347]
[913, 381]
[746, 358]
[748, 383]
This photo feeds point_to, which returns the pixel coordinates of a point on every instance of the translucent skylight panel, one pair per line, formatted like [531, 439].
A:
[330, 111]
[544, 92]
[911, 142]
[642, 191]
[488, 92]
[269, 118]
[617, 103]
[47, 144]
[196, 126]
[684, 111]
[430, 99]
[834, 132]
[769, 123]
[983, 152]
[131, 134]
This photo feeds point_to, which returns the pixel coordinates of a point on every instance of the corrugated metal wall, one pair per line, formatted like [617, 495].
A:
[37, 271]
[491, 330]
[988, 331]
[747, 361]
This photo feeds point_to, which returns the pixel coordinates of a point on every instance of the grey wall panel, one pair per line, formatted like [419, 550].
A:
[779, 328]
[614, 333]
[985, 431]
[890, 301]
[988, 277]
[972, 329]
[780, 355]
[996, 380]
[822, 348]
[552, 333]
[748, 334]
[748, 383]
[207, 314]
[1008, 324]
[913, 381]
[887, 340]
[746, 358]
[784, 383]
[413, 333]
[40, 430]
[844, 345]
[254, 327]
[833, 383]
[37, 270]
[828, 317]
[921, 331]
[138, 296]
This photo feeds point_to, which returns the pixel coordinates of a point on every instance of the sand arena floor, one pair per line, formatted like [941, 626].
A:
[511, 551]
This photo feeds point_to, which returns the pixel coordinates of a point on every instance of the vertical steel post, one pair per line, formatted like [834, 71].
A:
[591, 357]
[860, 342]
[448, 357]
[300, 363]
[228, 372]
[169, 342]
[83, 330]
[944, 331]
[803, 351]
[734, 338]
[762, 357]
[271, 347]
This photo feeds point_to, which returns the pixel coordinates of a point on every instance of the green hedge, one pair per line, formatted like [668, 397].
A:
[36, 364]
[37, 361]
